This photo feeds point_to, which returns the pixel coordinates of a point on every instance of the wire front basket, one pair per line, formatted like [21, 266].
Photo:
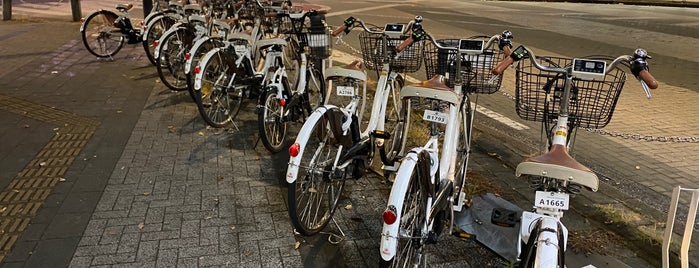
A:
[538, 94]
[318, 42]
[373, 49]
[475, 68]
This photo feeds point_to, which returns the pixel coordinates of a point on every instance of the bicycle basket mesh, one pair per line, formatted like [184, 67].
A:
[373, 48]
[538, 94]
[319, 44]
[475, 69]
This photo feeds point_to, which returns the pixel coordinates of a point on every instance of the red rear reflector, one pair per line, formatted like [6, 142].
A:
[197, 69]
[389, 216]
[187, 56]
[82, 20]
[155, 43]
[282, 102]
[294, 149]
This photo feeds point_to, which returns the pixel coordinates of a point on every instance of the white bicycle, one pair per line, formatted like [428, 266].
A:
[332, 146]
[430, 183]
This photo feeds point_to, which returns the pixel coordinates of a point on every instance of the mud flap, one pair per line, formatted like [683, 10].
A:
[490, 222]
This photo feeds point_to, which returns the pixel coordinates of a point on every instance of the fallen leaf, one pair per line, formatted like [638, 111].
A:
[54, 72]
[219, 178]
[146, 193]
[26, 126]
[638, 167]
[42, 164]
[232, 228]
[348, 207]
[493, 154]
[140, 226]
[208, 217]
[119, 111]
[297, 245]
[61, 179]
[312, 190]
[3, 209]
[201, 133]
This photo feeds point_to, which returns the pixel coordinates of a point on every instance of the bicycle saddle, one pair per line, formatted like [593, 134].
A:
[124, 7]
[354, 70]
[558, 164]
[433, 89]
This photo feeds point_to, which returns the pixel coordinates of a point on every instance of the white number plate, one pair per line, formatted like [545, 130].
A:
[345, 91]
[240, 48]
[435, 116]
[551, 200]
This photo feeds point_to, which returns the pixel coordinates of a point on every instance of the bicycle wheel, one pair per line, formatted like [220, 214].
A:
[314, 196]
[271, 123]
[156, 27]
[413, 214]
[196, 56]
[217, 103]
[100, 36]
[396, 124]
[314, 95]
[463, 149]
[171, 58]
[291, 61]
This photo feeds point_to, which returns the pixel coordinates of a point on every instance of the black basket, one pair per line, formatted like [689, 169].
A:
[475, 69]
[591, 102]
[319, 44]
[373, 48]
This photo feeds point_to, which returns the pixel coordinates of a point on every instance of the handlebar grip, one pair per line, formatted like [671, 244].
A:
[500, 68]
[507, 50]
[648, 79]
[405, 44]
[339, 30]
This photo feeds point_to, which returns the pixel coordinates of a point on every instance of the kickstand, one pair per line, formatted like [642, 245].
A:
[335, 238]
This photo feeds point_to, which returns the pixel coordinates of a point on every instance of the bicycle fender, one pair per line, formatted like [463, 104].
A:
[529, 219]
[202, 63]
[389, 233]
[302, 139]
[110, 16]
[174, 28]
[197, 44]
[149, 23]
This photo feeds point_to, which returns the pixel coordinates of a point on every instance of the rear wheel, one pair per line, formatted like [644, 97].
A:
[171, 58]
[100, 36]
[272, 125]
[156, 27]
[413, 213]
[314, 195]
[395, 124]
[217, 103]
[196, 56]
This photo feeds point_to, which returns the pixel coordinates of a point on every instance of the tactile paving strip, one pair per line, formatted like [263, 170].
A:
[21, 200]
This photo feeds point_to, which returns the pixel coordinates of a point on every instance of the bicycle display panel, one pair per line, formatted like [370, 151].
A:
[589, 69]
[394, 30]
[471, 46]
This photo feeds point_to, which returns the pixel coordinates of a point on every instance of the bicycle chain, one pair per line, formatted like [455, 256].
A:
[633, 136]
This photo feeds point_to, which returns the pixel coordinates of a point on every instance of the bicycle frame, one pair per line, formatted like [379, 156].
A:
[441, 164]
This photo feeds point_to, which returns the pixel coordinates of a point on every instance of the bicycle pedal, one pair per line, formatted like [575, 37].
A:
[381, 134]
[504, 217]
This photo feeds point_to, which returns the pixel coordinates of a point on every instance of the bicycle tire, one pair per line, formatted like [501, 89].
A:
[412, 214]
[291, 61]
[313, 189]
[463, 149]
[155, 27]
[271, 122]
[196, 56]
[217, 104]
[314, 94]
[395, 124]
[99, 27]
[171, 58]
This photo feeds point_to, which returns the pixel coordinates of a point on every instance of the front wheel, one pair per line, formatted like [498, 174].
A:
[154, 30]
[397, 118]
[314, 94]
[100, 36]
[271, 122]
[411, 211]
[314, 195]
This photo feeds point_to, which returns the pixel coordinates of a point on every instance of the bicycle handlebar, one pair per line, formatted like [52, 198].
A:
[637, 63]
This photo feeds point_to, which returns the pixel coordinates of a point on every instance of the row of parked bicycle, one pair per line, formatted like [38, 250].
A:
[275, 54]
